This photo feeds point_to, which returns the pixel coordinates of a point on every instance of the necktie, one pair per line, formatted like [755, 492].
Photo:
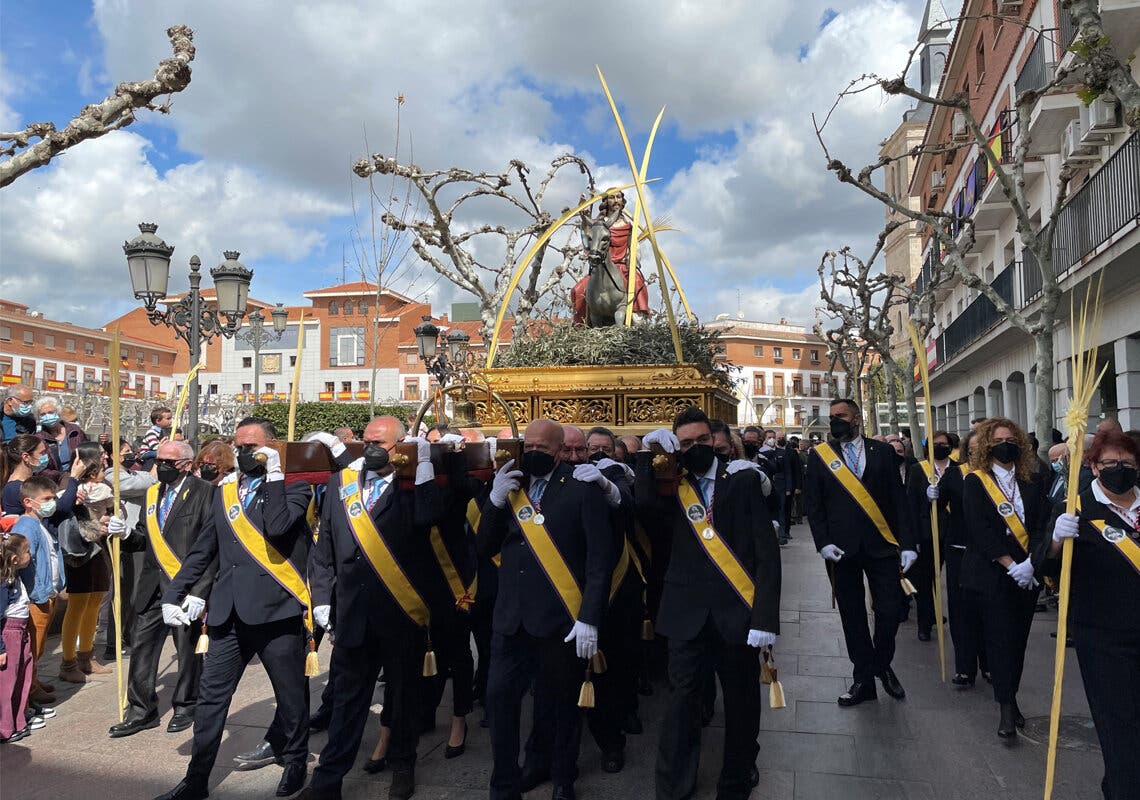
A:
[375, 487]
[250, 488]
[167, 502]
[537, 487]
[852, 458]
[705, 484]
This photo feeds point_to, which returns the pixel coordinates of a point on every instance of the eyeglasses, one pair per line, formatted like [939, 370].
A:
[169, 462]
[1113, 464]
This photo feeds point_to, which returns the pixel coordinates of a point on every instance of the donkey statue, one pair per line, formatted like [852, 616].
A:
[605, 291]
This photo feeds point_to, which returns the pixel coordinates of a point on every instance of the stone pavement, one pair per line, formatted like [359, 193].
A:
[938, 743]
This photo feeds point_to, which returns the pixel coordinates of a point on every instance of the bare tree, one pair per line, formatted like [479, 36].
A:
[448, 245]
[98, 119]
[1101, 70]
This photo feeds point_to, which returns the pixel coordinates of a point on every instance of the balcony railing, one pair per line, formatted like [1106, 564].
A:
[1031, 280]
[1038, 69]
[979, 317]
[1068, 30]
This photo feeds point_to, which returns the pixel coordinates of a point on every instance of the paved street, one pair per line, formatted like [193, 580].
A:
[938, 743]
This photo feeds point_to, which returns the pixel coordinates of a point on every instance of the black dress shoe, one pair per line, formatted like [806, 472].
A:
[632, 724]
[563, 792]
[858, 692]
[187, 789]
[292, 779]
[459, 749]
[924, 635]
[532, 778]
[613, 762]
[179, 722]
[132, 726]
[374, 765]
[1007, 726]
[258, 757]
[962, 679]
[403, 784]
[891, 684]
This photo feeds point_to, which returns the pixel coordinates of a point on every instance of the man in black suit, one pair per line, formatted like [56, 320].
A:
[374, 555]
[720, 601]
[176, 510]
[545, 523]
[259, 537]
[851, 533]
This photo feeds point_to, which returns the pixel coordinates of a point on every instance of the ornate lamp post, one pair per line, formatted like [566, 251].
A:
[148, 261]
[256, 336]
[451, 366]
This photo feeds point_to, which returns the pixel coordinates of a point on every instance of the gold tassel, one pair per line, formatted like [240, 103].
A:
[430, 670]
[776, 695]
[598, 663]
[586, 694]
[203, 644]
[647, 630]
[312, 664]
[765, 672]
[908, 587]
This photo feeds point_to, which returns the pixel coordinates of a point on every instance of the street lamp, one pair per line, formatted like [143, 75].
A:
[148, 262]
[452, 366]
[257, 336]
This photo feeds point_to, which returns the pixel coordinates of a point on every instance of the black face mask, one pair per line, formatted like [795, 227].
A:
[698, 458]
[127, 461]
[840, 428]
[536, 463]
[751, 450]
[375, 457]
[1006, 452]
[1118, 479]
[596, 457]
[168, 474]
[249, 463]
[209, 472]
[941, 452]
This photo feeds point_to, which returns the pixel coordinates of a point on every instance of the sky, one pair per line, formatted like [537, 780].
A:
[256, 153]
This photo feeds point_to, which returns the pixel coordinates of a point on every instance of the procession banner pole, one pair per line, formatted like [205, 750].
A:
[1082, 338]
[924, 373]
[113, 358]
[184, 394]
[296, 377]
[631, 281]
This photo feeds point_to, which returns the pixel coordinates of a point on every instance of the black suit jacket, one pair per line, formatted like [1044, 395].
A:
[189, 515]
[242, 585]
[951, 516]
[338, 565]
[578, 521]
[987, 536]
[694, 589]
[836, 518]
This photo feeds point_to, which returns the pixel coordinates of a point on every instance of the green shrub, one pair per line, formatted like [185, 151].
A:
[328, 416]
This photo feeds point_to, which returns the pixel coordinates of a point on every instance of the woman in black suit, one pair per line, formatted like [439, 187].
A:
[1105, 585]
[1006, 510]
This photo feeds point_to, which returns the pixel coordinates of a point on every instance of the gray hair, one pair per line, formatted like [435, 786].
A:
[45, 400]
[14, 391]
[185, 451]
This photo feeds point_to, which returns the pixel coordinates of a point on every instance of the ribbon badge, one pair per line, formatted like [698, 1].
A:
[695, 512]
[835, 465]
[1113, 535]
[1005, 509]
[150, 509]
[525, 513]
[355, 510]
[234, 511]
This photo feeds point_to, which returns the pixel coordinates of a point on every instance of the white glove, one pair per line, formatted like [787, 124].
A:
[173, 615]
[272, 464]
[193, 606]
[321, 615]
[1022, 573]
[425, 470]
[506, 480]
[451, 438]
[663, 437]
[585, 638]
[830, 552]
[776, 526]
[761, 638]
[492, 446]
[231, 477]
[1065, 527]
[738, 464]
[117, 527]
[932, 492]
[328, 440]
[589, 473]
[907, 558]
[606, 463]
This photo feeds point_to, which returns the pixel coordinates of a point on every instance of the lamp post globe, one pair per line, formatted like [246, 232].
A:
[231, 284]
[148, 262]
[280, 318]
[457, 341]
[427, 339]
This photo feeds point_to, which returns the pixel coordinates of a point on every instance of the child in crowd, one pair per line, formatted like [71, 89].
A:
[15, 642]
[44, 575]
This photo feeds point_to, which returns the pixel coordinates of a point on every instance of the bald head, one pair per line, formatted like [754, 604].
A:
[545, 435]
[1058, 452]
[573, 445]
[471, 435]
[176, 451]
[505, 433]
[384, 431]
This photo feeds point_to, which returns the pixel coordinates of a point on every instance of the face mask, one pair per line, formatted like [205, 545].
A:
[375, 457]
[24, 410]
[770, 442]
[751, 449]
[249, 463]
[1118, 479]
[698, 458]
[1006, 452]
[941, 452]
[47, 508]
[40, 465]
[840, 428]
[1057, 466]
[596, 457]
[536, 463]
[128, 461]
[208, 472]
[49, 420]
[168, 474]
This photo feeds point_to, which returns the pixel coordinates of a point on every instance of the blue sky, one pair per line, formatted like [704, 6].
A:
[255, 154]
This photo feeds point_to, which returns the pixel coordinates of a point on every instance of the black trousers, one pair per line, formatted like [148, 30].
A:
[516, 661]
[451, 640]
[356, 670]
[679, 745]
[281, 648]
[149, 636]
[1110, 663]
[921, 574]
[1008, 612]
[616, 689]
[965, 612]
[482, 614]
[130, 565]
[869, 656]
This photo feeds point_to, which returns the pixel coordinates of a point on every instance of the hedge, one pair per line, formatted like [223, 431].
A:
[326, 416]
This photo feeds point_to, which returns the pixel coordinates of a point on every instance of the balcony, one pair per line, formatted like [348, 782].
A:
[1053, 112]
[977, 319]
[1121, 19]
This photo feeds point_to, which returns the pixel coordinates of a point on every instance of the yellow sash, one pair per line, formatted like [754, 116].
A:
[965, 469]
[376, 550]
[856, 489]
[311, 515]
[162, 552]
[1006, 509]
[544, 549]
[1118, 538]
[474, 515]
[721, 554]
[464, 595]
[265, 554]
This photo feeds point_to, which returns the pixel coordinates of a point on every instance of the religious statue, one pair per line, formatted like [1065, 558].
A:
[599, 298]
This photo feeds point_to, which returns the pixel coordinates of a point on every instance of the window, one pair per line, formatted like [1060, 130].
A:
[778, 354]
[213, 389]
[980, 59]
[49, 372]
[758, 351]
[106, 350]
[410, 359]
[69, 345]
[154, 360]
[814, 356]
[346, 348]
[798, 385]
[154, 385]
[5, 366]
[330, 386]
[29, 337]
[758, 383]
[27, 372]
[796, 353]
[815, 387]
[247, 361]
[125, 354]
[246, 388]
[88, 375]
[49, 341]
[347, 307]
[334, 308]
[89, 348]
[69, 373]
[270, 388]
[140, 384]
[815, 412]
[778, 384]
[362, 386]
[346, 386]
[292, 361]
[5, 333]
[362, 307]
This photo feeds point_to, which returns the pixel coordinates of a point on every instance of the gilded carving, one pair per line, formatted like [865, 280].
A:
[641, 410]
[587, 410]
